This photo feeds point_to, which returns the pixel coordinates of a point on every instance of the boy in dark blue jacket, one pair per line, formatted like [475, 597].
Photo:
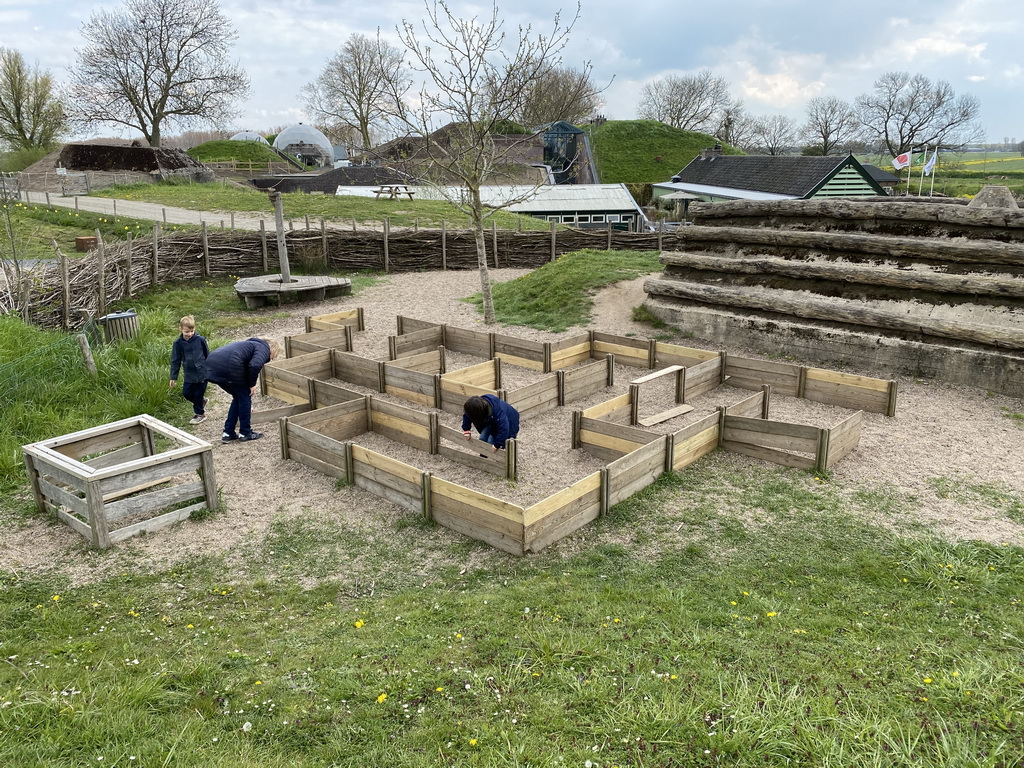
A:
[235, 368]
[494, 419]
[189, 355]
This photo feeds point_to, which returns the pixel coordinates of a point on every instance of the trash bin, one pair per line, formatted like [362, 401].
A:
[120, 326]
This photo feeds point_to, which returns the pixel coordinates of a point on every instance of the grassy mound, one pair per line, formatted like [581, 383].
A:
[225, 150]
[646, 150]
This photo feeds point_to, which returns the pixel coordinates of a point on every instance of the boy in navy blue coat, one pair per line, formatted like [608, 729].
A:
[494, 419]
[235, 368]
[189, 355]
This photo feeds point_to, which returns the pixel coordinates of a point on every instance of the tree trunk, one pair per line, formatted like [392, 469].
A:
[481, 254]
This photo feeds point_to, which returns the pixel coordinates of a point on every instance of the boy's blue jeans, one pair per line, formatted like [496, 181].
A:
[194, 392]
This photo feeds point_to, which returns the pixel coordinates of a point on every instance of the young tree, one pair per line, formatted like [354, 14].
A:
[687, 102]
[475, 78]
[906, 111]
[775, 133]
[735, 126]
[155, 63]
[31, 115]
[356, 86]
[831, 123]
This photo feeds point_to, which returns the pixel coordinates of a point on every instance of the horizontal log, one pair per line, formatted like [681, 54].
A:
[838, 312]
[884, 246]
[902, 279]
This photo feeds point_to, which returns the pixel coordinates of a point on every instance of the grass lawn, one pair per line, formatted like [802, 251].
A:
[730, 614]
[220, 197]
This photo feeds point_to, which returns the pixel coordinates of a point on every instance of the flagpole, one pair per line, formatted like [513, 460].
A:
[920, 183]
[932, 189]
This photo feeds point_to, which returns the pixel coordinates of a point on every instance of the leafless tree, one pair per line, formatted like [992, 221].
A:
[475, 77]
[905, 111]
[735, 126]
[155, 63]
[775, 133]
[561, 93]
[31, 115]
[687, 102]
[357, 84]
[831, 123]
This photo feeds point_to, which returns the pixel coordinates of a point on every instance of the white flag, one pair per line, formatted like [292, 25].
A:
[931, 163]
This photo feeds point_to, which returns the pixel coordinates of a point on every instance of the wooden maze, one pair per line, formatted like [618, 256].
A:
[322, 425]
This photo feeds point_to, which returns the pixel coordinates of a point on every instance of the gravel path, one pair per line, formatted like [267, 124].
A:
[961, 440]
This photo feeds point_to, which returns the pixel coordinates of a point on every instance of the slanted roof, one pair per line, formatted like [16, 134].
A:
[784, 176]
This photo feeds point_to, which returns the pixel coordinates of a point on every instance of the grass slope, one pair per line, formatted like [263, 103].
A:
[225, 150]
[629, 150]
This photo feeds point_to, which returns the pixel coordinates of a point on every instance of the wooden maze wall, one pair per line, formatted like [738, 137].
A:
[322, 426]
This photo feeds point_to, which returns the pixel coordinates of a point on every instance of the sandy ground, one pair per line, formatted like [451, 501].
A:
[940, 431]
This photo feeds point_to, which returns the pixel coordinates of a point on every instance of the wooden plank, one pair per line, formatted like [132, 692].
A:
[63, 497]
[313, 462]
[600, 452]
[155, 524]
[635, 471]
[390, 494]
[274, 414]
[770, 440]
[356, 370]
[468, 342]
[564, 512]
[854, 398]
[74, 523]
[98, 442]
[383, 477]
[522, 362]
[59, 472]
[309, 364]
[333, 394]
[619, 446]
[623, 354]
[766, 426]
[657, 374]
[849, 379]
[685, 452]
[408, 324]
[556, 501]
[412, 380]
[673, 354]
[772, 455]
[608, 406]
[119, 456]
[475, 460]
[153, 500]
[142, 475]
[424, 362]
[311, 419]
[671, 413]
[747, 406]
[477, 500]
[319, 444]
[620, 431]
[392, 466]
[506, 542]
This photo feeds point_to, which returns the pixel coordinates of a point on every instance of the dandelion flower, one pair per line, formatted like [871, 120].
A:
[382, 698]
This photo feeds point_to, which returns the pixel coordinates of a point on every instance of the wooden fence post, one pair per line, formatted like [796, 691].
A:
[323, 242]
[128, 268]
[90, 364]
[263, 245]
[154, 278]
[444, 245]
[101, 275]
[65, 290]
[206, 252]
[553, 236]
[494, 241]
[387, 232]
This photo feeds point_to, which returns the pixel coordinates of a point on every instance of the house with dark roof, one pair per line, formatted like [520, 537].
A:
[713, 176]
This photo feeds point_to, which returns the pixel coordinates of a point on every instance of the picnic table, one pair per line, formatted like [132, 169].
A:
[393, 191]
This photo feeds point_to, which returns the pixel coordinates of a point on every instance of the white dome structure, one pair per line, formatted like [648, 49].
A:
[249, 136]
[306, 143]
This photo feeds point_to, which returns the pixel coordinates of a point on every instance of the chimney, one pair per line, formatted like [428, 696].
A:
[711, 152]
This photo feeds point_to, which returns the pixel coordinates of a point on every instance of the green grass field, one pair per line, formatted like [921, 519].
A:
[730, 614]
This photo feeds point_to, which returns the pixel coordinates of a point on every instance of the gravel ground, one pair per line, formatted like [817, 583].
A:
[940, 431]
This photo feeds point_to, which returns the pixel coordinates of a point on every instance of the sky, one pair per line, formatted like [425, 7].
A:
[775, 54]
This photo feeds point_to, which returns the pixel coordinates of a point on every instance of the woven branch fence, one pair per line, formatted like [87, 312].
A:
[61, 294]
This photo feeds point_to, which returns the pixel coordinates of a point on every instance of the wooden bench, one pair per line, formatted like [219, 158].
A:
[256, 290]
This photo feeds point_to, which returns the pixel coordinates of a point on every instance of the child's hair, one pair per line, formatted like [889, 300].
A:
[478, 410]
[187, 322]
[276, 349]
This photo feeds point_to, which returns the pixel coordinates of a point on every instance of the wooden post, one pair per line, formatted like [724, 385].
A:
[26, 297]
[65, 290]
[721, 425]
[425, 480]
[323, 242]
[154, 278]
[577, 418]
[47, 199]
[114, 201]
[609, 246]
[821, 454]
[282, 245]
[416, 224]
[444, 245]
[284, 438]
[206, 252]
[209, 484]
[387, 232]
[90, 364]
[163, 211]
[97, 517]
[890, 408]
[232, 221]
[670, 449]
[76, 202]
[553, 241]
[263, 245]
[510, 459]
[128, 268]
[307, 222]
[494, 241]
[353, 226]
[605, 505]
[634, 405]
[101, 275]
[766, 400]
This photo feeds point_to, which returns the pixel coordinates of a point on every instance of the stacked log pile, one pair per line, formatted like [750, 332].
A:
[855, 273]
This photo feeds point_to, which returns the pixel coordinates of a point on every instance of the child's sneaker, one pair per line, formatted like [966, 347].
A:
[250, 437]
[228, 438]
[199, 418]
[205, 401]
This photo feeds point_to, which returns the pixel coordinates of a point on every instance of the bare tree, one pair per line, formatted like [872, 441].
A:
[475, 77]
[357, 84]
[735, 126]
[31, 115]
[155, 63]
[561, 93]
[775, 133]
[904, 111]
[831, 123]
[687, 102]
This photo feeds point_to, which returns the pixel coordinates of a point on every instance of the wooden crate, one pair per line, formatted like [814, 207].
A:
[138, 472]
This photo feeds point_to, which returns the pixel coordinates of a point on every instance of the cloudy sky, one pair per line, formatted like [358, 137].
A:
[775, 54]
